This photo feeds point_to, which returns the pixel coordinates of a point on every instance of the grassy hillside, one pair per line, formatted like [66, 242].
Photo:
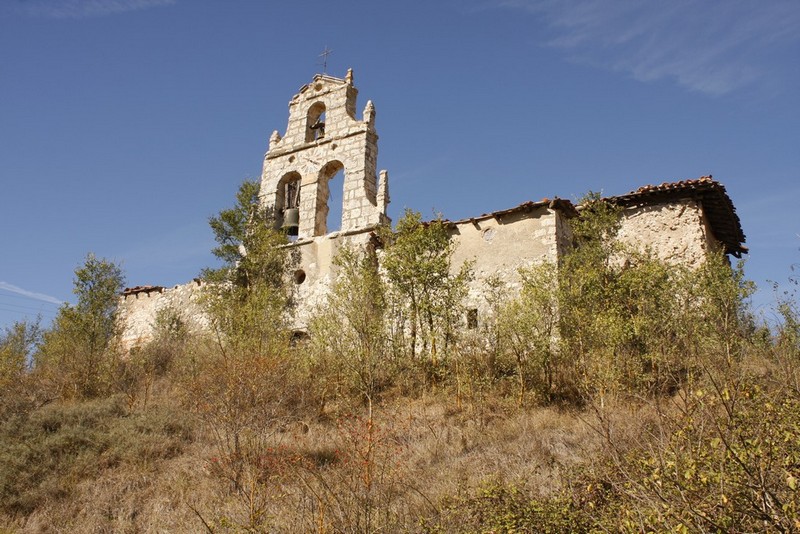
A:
[719, 454]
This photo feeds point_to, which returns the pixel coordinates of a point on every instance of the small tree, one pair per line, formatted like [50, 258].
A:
[529, 325]
[240, 388]
[349, 331]
[245, 241]
[16, 346]
[610, 318]
[78, 352]
[618, 309]
[586, 279]
[428, 296]
[247, 295]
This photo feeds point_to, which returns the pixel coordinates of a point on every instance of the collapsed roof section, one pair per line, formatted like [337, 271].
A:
[717, 206]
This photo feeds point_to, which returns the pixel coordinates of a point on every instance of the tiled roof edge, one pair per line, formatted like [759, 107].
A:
[717, 205]
[555, 204]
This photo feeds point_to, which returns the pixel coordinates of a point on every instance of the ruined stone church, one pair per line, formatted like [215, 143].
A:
[681, 222]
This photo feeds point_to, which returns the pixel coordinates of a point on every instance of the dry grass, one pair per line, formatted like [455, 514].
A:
[417, 462]
[427, 451]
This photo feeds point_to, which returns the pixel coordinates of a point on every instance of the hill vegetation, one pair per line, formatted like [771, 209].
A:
[613, 393]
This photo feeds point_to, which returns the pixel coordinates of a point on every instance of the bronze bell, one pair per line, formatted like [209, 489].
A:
[291, 221]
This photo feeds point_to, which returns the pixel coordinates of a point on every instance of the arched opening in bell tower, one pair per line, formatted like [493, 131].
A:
[315, 122]
[330, 198]
[287, 203]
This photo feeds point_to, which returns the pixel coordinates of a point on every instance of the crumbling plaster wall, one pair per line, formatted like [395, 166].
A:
[314, 266]
[311, 277]
[675, 231]
[138, 312]
[500, 247]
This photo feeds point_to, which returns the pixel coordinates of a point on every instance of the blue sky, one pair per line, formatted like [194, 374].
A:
[125, 124]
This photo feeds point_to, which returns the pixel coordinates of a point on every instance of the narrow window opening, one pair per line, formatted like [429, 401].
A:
[315, 122]
[472, 318]
[335, 200]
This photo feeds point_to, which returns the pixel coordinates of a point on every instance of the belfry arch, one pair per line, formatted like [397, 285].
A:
[287, 198]
[324, 197]
[315, 122]
[322, 138]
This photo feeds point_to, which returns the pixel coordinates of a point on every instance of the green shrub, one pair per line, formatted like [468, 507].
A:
[506, 508]
[77, 357]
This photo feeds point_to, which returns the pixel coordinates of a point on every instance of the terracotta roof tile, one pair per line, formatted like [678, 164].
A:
[717, 205]
[557, 203]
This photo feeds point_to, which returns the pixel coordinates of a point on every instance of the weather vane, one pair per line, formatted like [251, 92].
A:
[324, 55]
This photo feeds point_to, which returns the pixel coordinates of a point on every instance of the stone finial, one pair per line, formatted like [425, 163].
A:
[274, 138]
[369, 113]
[383, 191]
[349, 77]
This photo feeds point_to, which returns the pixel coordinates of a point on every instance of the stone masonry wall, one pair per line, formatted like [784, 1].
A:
[138, 312]
[348, 144]
[676, 232]
[314, 273]
[499, 246]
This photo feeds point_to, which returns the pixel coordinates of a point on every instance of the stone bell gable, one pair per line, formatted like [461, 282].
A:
[322, 138]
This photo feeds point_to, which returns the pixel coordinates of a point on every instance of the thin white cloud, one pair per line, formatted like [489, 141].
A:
[711, 47]
[30, 294]
[76, 9]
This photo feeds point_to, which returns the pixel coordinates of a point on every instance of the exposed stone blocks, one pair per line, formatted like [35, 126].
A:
[674, 231]
[347, 144]
[138, 313]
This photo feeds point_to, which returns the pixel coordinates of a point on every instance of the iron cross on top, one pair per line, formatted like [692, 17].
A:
[324, 55]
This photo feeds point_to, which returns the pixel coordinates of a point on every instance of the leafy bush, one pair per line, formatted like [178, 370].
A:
[77, 356]
[506, 508]
[348, 333]
[684, 416]
[427, 298]
[609, 320]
